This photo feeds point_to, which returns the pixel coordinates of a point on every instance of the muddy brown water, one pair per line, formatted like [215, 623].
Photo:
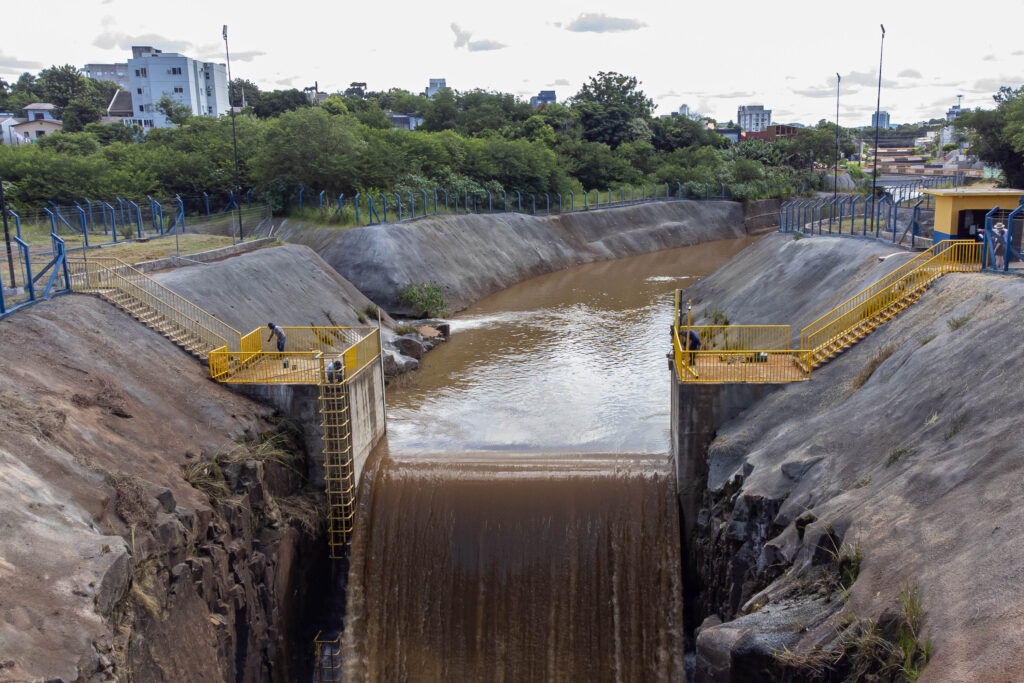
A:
[520, 521]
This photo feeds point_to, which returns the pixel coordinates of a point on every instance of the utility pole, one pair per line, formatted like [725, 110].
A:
[234, 138]
[878, 109]
[835, 180]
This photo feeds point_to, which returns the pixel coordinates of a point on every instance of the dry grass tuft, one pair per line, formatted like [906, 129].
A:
[869, 368]
[22, 414]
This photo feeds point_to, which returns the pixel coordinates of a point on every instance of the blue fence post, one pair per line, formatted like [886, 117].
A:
[435, 201]
[398, 200]
[519, 201]
[490, 204]
[27, 258]
[559, 202]
[504, 200]
[679, 190]
[320, 198]
[206, 199]
[474, 203]
[1008, 249]
[341, 202]
[632, 193]
[138, 218]
[547, 203]
[533, 204]
[248, 197]
[92, 221]
[120, 207]
[384, 205]
[586, 200]
[465, 203]
[180, 227]
[355, 202]
[572, 201]
[84, 223]
[445, 199]
[424, 192]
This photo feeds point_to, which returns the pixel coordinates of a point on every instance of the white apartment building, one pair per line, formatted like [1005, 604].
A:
[118, 73]
[201, 86]
[435, 86]
[753, 118]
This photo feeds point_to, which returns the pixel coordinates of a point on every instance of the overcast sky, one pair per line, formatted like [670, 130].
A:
[711, 56]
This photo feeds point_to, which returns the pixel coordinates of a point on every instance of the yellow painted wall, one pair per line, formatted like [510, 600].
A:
[948, 208]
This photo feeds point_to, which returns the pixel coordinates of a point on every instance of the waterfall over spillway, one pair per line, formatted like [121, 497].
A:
[516, 567]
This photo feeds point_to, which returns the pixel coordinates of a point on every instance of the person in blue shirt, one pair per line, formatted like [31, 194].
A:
[335, 370]
[692, 345]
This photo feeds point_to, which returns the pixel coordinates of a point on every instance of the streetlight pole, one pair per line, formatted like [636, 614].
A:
[234, 138]
[835, 180]
[878, 110]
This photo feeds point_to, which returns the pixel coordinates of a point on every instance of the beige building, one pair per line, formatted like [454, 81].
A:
[29, 131]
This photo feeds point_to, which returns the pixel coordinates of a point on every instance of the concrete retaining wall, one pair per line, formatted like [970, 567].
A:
[473, 256]
[698, 410]
[366, 401]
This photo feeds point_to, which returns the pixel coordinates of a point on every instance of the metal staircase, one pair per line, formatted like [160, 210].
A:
[249, 359]
[831, 334]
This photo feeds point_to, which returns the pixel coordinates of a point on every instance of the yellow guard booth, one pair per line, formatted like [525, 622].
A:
[960, 213]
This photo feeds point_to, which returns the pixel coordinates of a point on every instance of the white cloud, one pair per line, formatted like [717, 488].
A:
[602, 23]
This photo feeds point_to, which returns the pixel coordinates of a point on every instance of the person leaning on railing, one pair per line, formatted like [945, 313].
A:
[335, 370]
[692, 345]
[276, 331]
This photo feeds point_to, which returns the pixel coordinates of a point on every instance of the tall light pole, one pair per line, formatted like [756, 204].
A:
[878, 110]
[835, 179]
[234, 138]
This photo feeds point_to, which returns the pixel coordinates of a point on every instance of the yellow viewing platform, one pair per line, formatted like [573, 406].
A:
[764, 354]
[308, 352]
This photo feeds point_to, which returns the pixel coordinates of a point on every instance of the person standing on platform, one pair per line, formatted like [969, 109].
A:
[276, 331]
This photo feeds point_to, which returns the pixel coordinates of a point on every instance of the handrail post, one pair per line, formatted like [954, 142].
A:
[425, 201]
[206, 199]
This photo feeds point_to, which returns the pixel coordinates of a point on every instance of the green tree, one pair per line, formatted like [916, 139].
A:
[997, 136]
[176, 112]
[246, 91]
[608, 104]
[277, 102]
[59, 85]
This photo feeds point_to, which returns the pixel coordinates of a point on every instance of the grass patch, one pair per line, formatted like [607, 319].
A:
[130, 504]
[208, 475]
[956, 323]
[716, 317]
[889, 649]
[954, 427]
[861, 483]
[869, 368]
[405, 328]
[798, 235]
[925, 339]
[371, 310]
[896, 454]
[426, 299]
[22, 414]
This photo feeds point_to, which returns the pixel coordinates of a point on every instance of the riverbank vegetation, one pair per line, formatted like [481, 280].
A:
[605, 136]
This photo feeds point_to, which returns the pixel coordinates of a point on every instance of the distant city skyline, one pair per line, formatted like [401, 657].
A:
[683, 53]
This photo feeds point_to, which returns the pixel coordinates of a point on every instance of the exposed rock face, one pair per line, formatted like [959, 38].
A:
[112, 566]
[915, 466]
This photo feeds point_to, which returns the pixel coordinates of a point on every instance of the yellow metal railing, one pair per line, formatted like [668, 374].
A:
[951, 256]
[99, 273]
[738, 353]
[327, 667]
[760, 353]
[259, 361]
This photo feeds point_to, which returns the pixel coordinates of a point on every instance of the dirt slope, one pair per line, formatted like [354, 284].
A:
[920, 468]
